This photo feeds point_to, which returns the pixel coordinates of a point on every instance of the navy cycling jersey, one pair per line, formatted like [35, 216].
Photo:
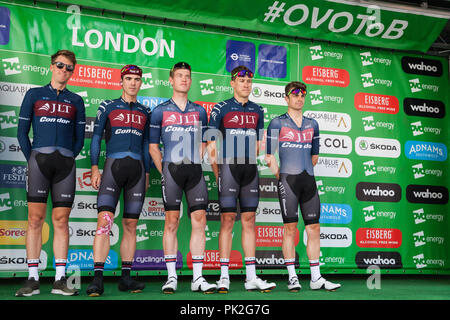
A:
[126, 127]
[241, 126]
[58, 120]
[181, 132]
[296, 145]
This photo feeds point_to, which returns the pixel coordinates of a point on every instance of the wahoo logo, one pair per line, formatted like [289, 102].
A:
[424, 108]
[11, 66]
[427, 194]
[421, 66]
[384, 260]
[206, 87]
[415, 85]
[378, 192]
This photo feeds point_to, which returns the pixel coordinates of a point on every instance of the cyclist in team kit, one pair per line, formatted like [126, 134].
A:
[125, 123]
[180, 125]
[296, 138]
[239, 124]
[58, 119]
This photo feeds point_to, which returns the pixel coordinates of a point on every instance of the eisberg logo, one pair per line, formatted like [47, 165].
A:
[422, 150]
[426, 67]
[378, 192]
[427, 194]
[424, 108]
[378, 238]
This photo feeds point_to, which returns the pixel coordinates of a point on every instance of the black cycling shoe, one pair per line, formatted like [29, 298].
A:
[95, 288]
[129, 284]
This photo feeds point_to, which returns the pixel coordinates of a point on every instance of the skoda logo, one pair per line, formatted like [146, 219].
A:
[257, 92]
[363, 144]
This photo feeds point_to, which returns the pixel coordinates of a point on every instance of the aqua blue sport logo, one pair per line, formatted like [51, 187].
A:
[84, 259]
[422, 150]
[335, 213]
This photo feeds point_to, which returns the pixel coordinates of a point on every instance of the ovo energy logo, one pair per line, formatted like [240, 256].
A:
[206, 87]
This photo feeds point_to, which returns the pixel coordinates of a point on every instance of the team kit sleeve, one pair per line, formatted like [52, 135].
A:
[204, 122]
[155, 126]
[273, 131]
[215, 119]
[260, 126]
[146, 141]
[316, 139]
[80, 123]
[25, 118]
[99, 126]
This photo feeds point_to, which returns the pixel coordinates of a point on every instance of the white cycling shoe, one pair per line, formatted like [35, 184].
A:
[259, 284]
[324, 284]
[223, 285]
[200, 284]
[294, 285]
[170, 286]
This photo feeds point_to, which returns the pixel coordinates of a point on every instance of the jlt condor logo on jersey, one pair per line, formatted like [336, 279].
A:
[247, 120]
[52, 108]
[183, 119]
[293, 135]
[122, 118]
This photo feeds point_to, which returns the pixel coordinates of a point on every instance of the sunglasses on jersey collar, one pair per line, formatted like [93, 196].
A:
[61, 65]
[297, 91]
[242, 73]
[181, 65]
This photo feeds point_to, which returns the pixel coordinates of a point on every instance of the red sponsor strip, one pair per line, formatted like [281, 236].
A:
[326, 76]
[378, 238]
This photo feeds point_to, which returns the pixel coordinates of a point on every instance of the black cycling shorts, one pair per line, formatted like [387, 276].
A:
[187, 177]
[300, 188]
[238, 181]
[51, 171]
[127, 174]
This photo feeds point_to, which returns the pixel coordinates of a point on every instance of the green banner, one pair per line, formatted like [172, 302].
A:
[383, 168]
[376, 25]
